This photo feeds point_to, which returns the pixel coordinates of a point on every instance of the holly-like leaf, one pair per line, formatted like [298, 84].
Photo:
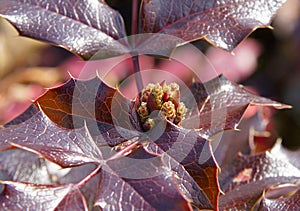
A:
[24, 196]
[292, 156]
[72, 151]
[190, 156]
[291, 201]
[246, 179]
[213, 106]
[88, 122]
[83, 27]
[91, 99]
[222, 23]
[90, 189]
[22, 166]
[90, 102]
[40, 135]
[142, 181]
[76, 147]
[51, 133]
[220, 105]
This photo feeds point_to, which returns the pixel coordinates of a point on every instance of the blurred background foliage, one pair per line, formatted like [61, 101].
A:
[268, 62]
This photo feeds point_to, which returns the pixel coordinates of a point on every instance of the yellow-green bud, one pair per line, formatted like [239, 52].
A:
[174, 87]
[149, 123]
[157, 93]
[143, 111]
[146, 92]
[164, 98]
[168, 109]
[180, 113]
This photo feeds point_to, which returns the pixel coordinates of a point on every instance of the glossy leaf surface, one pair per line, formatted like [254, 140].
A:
[288, 202]
[23, 196]
[83, 27]
[142, 181]
[190, 156]
[23, 166]
[220, 105]
[87, 122]
[222, 23]
[245, 180]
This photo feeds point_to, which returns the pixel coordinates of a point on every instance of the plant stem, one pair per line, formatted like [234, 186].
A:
[134, 17]
[135, 57]
[137, 71]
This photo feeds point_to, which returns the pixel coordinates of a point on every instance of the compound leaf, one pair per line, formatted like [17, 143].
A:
[220, 105]
[190, 157]
[142, 181]
[290, 201]
[246, 179]
[222, 23]
[24, 196]
[83, 27]
[62, 146]
[88, 122]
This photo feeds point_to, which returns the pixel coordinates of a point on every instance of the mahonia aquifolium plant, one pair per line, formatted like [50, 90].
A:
[113, 167]
[160, 101]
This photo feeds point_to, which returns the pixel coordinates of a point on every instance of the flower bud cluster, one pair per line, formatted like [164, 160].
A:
[162, 98]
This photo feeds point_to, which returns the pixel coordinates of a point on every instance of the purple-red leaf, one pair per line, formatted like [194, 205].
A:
[83, 27]
[24, 196]
[290, 201]
[23, 166]
[292, 156]
[222, 23]
[191, 158]
[220, 105]
[62, 146]
[90, 189]
[245, 180]
[84, 114]
[139, 181]
[83, 122]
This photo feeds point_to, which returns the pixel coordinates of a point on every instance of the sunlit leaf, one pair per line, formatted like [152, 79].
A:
[222, 23]
[246, 179]
[83, 27]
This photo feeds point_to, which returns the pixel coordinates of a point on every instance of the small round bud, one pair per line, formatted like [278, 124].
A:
[168, 109]
[157, 93]
[174, 87]
[164, 100]
[146, 92]
[174, 92]
[149, 123]
[181, 112]
[143, 111]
